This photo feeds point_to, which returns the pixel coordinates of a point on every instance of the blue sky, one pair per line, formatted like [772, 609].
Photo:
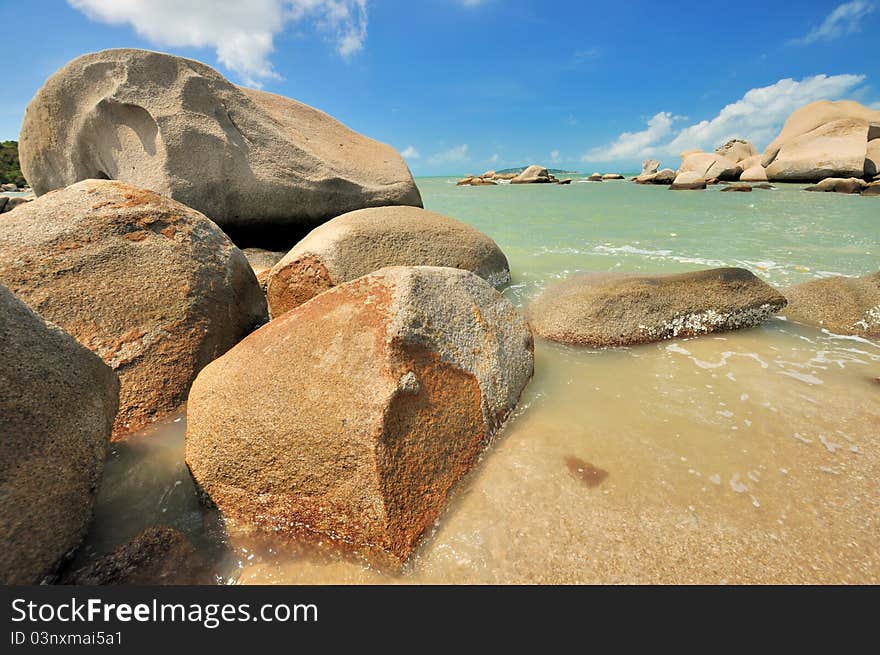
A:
[465, 85]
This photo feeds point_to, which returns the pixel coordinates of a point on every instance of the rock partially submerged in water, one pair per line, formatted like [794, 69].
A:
[608, 309]
[709, 165]
[852, 185]
[366, 240]
[157, 556]
[742, 188]
[374, 398]
[665, 177]
[255, 163]
[819, 140]
[688, 181]
[842, 305]
[57, 407]
[150, 285]
[534, 175]
[873, 189]
[613, 176]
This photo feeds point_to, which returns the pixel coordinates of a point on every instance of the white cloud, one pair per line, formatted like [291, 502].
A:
[410, 153]
[454, 154]
[494, 158]
[757, 116]
[630, 145]
[554, 157]
[845, 19]
[241, 34]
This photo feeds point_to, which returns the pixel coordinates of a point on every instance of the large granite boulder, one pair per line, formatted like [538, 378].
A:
[839, 185]
[873, 189]
[366, 240]
[755, 173]
[150, 285]
[608, 309]
[261, 166]
[710, 165]
[820, 140]
[351, 416]
[57, 406]
[688, 180]
[533, 175]
[842, 305]
[737, 150]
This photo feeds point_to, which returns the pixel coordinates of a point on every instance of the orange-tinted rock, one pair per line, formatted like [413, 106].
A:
[150, 285]
[374, 398]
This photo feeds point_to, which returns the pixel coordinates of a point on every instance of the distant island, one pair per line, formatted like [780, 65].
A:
[10, 169]
[552, 171]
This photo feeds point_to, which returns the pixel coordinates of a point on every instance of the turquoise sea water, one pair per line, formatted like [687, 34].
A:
[750, 456]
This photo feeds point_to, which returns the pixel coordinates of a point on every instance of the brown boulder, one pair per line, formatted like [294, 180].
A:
[743, 188]
[842, 305]
[150, 285]
[708, 165]
[873, 189]
[838, 185]
[157, 556]
[366, 240]
[374, 399]
[601, 309]
[57, 406]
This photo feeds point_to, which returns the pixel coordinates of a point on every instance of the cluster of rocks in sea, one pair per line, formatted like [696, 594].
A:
[533, 174]
[338, 389]
[833, 144]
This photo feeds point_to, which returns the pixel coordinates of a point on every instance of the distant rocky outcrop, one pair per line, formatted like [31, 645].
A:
[602, 309]
[665, 177]
[842, 305]
[595, 177]
[534, 175]
[851, 185]
[352, 416]
[57, 406]
[650, 166]
[709, 165]
[366, 240]
[261, 166]
[150, 285]
[820, 140]
[613, 176]
[737, 150]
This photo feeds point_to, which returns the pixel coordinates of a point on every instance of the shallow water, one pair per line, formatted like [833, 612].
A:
[751, 456]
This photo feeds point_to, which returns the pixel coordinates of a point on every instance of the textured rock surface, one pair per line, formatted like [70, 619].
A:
[258, 164]
[374, 398]
[151, 286]
[601, 309]
[873, 189]
[843, 305]
[839, 185]
[366, 240]
[157, 556]
[872, 158]
[665, 176]
[688, 181]
[57, 406]
[822, 139]
[533, 175]
[709, 165]
[261, 262]
[737, 150]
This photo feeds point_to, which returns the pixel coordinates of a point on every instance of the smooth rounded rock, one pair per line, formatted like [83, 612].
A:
[366, 240]
[150, 285]
[606, 309]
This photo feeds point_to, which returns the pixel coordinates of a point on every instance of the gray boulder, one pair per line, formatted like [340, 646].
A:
[263, 167]
[57, 407]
